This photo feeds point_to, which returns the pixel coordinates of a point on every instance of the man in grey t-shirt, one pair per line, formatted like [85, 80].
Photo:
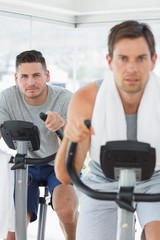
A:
[31, 95]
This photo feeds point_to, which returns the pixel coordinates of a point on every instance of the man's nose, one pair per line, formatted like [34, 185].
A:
[31, 81]
[132, 66]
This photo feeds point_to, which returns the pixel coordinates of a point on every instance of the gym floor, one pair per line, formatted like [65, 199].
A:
[53, 230]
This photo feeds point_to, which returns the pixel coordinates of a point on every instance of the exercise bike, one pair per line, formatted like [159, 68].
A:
[24, 137]
[127, 162]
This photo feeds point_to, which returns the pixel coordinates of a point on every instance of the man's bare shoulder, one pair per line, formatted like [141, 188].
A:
[83, 100]
[88, 93]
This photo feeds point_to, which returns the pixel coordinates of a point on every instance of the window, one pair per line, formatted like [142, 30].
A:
[74, 56]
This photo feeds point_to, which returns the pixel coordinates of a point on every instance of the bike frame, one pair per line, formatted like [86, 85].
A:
[21, 183]
[126, 219]
[24, 137]
[132, 169]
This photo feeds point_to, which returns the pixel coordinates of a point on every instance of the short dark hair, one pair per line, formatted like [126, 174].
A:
[30, 56]
[130, 29]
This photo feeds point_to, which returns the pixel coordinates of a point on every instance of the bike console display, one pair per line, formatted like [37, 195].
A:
[13, 131]
[116, 155]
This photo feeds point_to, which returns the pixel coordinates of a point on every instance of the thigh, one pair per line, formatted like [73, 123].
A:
[52, 180]
[97, 219]
[149, 211]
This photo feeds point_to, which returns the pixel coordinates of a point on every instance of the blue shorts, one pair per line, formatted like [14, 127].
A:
[37, 174]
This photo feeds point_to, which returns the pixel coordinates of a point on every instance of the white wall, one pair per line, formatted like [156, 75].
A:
[114, 5]
[85, 11]
[89, 6]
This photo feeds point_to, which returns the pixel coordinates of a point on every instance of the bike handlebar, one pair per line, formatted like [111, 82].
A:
[37, 161]
[22, 160]
[43, 116]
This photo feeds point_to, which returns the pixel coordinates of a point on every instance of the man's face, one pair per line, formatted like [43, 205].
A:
[131, 64]
[31, 79]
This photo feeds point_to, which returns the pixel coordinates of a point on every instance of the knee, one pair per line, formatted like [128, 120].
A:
[67, 215]
[10, 236]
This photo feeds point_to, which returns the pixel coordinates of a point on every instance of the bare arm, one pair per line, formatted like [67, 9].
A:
[80, 108]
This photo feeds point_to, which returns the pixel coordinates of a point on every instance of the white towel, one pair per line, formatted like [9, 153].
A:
[109, 121]
[7, 214]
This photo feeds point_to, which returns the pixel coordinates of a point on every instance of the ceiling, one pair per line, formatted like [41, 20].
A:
[84, 11]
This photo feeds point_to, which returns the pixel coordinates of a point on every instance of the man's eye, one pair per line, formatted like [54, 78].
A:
[23, 76]
[141, 58]
[123, 58]
[37, 75]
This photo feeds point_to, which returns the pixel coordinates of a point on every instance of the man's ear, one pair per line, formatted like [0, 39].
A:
[154, 59]
[47, 76]
[109, 60]
[15, 78]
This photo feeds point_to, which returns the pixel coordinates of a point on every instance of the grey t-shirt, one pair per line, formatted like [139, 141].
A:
[131, 120]
[14, 107]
